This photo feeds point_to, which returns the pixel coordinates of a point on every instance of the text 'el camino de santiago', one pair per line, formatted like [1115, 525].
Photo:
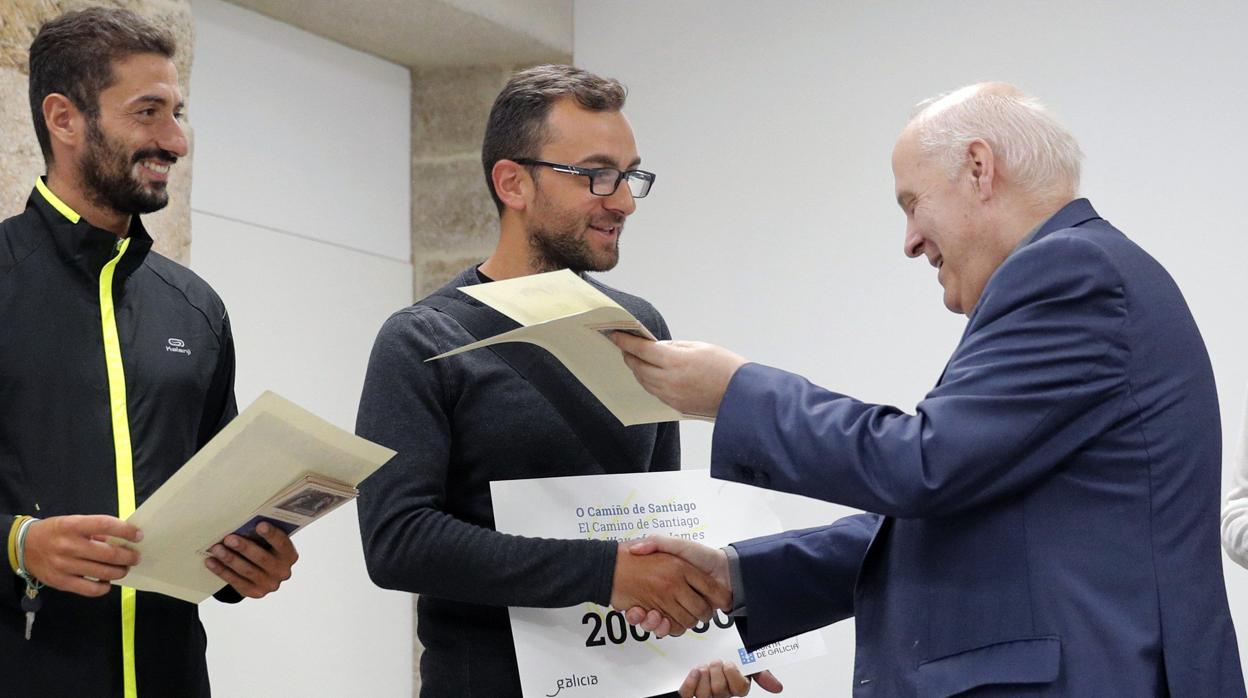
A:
[615, 521]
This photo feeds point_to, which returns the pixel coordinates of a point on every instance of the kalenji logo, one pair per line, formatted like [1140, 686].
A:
[573, 681]
[177, 346]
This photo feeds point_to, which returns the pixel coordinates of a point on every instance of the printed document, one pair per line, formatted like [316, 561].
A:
[589, 650]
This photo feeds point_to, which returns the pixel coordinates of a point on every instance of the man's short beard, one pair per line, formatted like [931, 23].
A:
[560, 243]
[106, 175]
[551, 251]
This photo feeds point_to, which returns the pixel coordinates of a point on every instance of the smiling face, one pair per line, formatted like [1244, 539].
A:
[946, 222]
[135, 138]
[569, 227]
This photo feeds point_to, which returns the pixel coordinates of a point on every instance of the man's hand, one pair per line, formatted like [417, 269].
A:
[710, 560]
[689, 376]
[670, 586]
[723, 679]
[63, 551]
[248, 567]
[717, 679]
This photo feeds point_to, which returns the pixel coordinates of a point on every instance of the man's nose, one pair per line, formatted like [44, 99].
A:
[913, 244]
[622, 200]
[173, 138]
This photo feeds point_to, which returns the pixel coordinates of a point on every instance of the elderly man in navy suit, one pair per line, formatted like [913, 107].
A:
[1046, 522]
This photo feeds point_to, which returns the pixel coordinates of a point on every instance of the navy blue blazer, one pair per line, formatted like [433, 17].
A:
[1048, 519]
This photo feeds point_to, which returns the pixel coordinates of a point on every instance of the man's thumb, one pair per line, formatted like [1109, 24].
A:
[650, 545]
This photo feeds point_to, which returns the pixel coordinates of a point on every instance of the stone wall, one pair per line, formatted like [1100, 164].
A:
[20, 159]
[454, 222]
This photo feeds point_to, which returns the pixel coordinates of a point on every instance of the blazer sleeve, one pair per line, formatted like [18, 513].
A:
[1235, 515]
[797, 581]
[1040, 372]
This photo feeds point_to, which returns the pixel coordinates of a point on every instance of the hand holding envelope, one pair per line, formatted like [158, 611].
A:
[68, 553]
[561, 313]
[690, 377]
[72, 553]
[269, 447]
[248, 566]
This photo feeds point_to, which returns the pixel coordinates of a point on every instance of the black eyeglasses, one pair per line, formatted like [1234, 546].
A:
[603, 181]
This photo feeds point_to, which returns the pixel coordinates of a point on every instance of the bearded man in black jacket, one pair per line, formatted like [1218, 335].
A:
[116, 365]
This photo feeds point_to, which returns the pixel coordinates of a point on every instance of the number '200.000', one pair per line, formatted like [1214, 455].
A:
[618, 631]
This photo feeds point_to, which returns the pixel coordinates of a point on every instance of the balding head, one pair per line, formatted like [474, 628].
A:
[975, 170]
[1034, 153]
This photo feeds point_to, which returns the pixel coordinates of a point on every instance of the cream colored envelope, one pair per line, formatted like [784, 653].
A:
[272, 444]
[567, 317]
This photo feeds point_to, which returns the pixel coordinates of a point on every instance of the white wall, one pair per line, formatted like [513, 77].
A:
[772, 227]
[300, 217]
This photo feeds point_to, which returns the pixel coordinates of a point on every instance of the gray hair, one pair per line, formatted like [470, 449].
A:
[1037, 152]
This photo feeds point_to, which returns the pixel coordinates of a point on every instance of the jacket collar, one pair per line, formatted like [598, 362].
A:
[83, 245]
[1072, 215]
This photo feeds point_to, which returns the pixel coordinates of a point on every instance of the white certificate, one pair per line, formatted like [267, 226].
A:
[589, 650]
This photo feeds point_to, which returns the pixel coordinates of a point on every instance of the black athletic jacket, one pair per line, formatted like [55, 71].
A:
[71, 442]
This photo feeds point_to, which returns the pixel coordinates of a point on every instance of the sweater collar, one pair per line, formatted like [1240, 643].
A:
[472, 277]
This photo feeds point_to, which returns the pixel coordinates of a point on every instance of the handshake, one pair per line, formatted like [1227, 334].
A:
[667, 585]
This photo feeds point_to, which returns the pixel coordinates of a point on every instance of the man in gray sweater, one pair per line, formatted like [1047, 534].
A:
[561, 163]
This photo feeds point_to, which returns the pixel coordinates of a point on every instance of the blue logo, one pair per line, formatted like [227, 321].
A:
[747, 657]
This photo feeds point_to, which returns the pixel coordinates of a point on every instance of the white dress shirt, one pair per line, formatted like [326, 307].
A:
[1235, 514]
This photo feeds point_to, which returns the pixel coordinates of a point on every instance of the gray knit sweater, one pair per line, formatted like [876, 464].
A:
[426, 518]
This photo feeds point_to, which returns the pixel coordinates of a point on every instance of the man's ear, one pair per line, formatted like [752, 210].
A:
[513, 184]
[983, 167]
[66, 124]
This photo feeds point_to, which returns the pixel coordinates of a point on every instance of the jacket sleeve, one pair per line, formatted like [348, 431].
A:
[410, 542]
[797, 581]
[220, 407]
[1040, 372]
[6, 529]
[1235, 515]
